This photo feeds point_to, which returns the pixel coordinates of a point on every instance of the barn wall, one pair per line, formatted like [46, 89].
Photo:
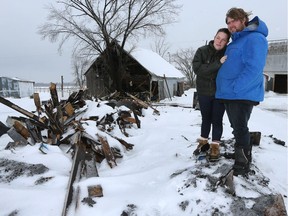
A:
[95, 81]
[169, 87]
[276, 67]
[26, 89]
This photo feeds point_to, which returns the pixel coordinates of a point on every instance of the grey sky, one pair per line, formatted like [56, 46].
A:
[23, 54]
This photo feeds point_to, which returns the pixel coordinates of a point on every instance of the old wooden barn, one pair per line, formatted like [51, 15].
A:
[148, 75]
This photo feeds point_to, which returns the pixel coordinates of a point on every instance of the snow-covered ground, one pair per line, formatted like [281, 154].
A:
[144, 180]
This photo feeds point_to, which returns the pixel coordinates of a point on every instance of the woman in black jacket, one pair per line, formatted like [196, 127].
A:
[206, 63]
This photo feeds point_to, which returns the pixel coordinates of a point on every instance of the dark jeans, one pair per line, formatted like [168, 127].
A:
[212, 112]
[239, 114]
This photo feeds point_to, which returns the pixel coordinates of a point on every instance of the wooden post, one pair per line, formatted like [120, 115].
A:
[62, 86]
[54, 95]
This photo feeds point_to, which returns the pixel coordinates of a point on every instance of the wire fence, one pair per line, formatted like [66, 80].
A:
[68, 90]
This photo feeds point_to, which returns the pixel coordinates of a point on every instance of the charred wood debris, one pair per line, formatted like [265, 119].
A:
[58, 122]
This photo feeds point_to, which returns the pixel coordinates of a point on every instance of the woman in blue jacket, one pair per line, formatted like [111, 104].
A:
[240, 82]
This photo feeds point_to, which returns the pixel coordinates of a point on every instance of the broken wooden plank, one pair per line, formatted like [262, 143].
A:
[107, 151]
[71, 118]
[69, 109]
[78, 157]
[21, 129]
[37, 103]
[34, 132]
[54, 94]
[126, 116]
[23, 111]
[55, 125]
[95, 146]
[90, 164]
[60, 117]
[255, 137]
[142, 103]
[76, 99]
[18, 139]
[130, 120]
[121, 125]
[84, 165]
[95, 191]
[138, 123]
[52, 138]
[127, 145]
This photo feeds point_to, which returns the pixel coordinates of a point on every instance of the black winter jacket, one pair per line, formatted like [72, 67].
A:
[206, 63]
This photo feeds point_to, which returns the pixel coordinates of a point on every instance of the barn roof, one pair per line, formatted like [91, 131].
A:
[17, 79]
[155, 64]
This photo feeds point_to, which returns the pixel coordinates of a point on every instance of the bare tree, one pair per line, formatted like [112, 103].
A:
[161, 47]
[79, 67]
[98, 25]
[182, 60]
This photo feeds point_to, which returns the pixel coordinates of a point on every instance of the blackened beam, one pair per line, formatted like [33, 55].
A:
[78, 157]
[23, 111]
[84, 165]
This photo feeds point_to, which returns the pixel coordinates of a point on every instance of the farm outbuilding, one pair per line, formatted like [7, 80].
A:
[148, 76]
[17, 88]
[276, 67]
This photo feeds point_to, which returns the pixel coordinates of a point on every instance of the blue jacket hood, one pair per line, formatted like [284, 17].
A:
[255, 25]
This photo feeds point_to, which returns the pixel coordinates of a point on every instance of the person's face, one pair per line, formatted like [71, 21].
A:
[220, 40]
[235, 25]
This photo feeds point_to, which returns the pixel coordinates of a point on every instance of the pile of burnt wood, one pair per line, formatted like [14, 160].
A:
[53, 118]
[56, 122]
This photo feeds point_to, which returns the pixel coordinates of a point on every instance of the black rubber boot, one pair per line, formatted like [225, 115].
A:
[248, 153]
[241, 165]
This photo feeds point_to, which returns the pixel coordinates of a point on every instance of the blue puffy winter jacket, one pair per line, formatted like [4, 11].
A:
[241, 75]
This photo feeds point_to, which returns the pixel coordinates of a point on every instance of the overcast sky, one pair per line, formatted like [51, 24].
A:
[25, 55]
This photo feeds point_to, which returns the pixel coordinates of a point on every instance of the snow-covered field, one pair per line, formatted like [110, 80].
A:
[144, 182]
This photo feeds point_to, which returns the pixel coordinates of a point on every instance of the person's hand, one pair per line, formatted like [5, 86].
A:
[223, 59]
